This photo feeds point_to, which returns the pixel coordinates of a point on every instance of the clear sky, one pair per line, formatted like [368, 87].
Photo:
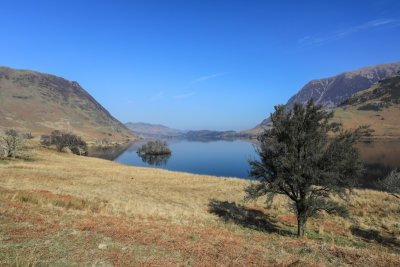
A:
[197, 64]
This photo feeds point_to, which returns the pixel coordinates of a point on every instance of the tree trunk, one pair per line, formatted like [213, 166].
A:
[301, 226]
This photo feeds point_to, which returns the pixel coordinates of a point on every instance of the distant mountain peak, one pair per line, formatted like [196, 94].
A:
[330, 92]
[152, 130]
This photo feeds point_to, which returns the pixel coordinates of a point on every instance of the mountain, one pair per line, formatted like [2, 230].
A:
[36, 102]
[209, 135]
[378, 106]
[157, 130]
[330, 92]
[152, 130]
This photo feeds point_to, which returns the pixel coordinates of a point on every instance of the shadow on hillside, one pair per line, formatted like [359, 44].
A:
[372, 235]
[246, 217]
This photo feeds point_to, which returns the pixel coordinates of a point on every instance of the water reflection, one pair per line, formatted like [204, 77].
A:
[385, 152]
[108, 152]
[229, 159]
[373, 173]
[155, 160]
[380, 157]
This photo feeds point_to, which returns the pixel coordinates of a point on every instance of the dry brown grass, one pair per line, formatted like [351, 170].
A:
[384, 123]
[62, 209]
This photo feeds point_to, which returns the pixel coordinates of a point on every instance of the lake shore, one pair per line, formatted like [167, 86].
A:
[63, 209]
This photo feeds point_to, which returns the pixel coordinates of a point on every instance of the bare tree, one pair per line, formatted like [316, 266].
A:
[63, 139]
[391, 183]
[2, 148]
[11, 141]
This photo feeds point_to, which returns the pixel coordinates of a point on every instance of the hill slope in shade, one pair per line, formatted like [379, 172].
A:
[36, 102]
[378, 106]
[330, 92]
[148, 129]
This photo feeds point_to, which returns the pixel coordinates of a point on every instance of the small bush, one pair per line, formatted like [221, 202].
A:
[28, 135]
[391, 183]
[10, 143]
[62, 140]
[45, 140]
[154, 148]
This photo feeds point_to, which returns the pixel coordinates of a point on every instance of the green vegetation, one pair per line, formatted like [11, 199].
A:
[156, 147]
[299, 160]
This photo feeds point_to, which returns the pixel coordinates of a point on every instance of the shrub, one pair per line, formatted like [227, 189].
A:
[45, 140]
[391, 183]
[11, 141]
[156, 147]
[63, 139]
[28, 135]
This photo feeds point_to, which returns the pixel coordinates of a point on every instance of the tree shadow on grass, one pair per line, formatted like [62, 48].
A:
[244, 216]
[372, 235]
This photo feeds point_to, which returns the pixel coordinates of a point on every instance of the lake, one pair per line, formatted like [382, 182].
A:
[218, 158]
[229, 158]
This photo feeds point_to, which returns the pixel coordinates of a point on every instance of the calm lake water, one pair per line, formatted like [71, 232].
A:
[218, 158]
[229, 158]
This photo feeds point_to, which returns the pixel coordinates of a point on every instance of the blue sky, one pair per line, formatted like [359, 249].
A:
[197, 64]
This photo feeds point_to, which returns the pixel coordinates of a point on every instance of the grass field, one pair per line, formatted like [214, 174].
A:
[59, 209]
[385, 123]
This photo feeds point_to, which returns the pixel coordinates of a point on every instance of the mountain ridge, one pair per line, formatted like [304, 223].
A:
[347, 83]
[378, 107]
[331, 91]
[152, 130]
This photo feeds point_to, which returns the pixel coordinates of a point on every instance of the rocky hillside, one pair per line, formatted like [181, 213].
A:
[36, 102]
[332, 91]
[152, 130]
[378, 106]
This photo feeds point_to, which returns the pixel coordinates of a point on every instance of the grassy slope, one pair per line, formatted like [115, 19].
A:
[39, 103]
[386, 121]
[62, 209]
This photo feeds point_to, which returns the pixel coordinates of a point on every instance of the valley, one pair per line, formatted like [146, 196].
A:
[200, 133]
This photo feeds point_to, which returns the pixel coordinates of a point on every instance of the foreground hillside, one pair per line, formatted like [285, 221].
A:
[36, 102]
[378, 106]
[61, 209]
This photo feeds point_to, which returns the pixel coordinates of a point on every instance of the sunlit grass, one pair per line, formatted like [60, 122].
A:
[109, 213]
